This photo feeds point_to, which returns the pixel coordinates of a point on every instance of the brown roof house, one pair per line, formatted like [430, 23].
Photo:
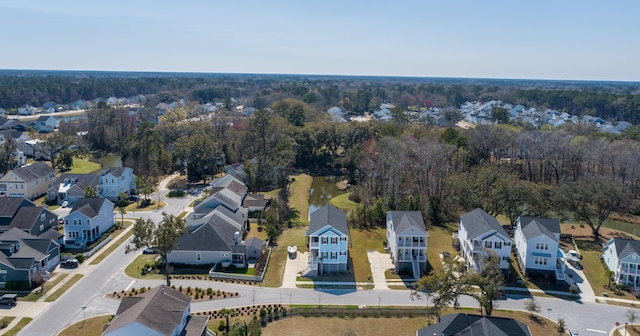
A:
[160, 311]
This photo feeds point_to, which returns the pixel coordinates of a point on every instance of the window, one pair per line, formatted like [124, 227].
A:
[113, 181]
[43, 217]
[343, 238]
[325, 255]
[540, 261]
[73, 234]
[487, 244]
[334, 240]
[497, 245]
[88, 222]
[334, 255]
[343, 253]
[505, 258]
[66, 221]
[75, 221]
[198, 256]
[542, 246]
[41, 227]
[225, 255]
[507, 243]
[325, 240]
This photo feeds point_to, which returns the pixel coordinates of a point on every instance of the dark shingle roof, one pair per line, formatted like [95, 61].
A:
[254, 242]
[196, 325]
[90, 207]
[328, 215]
[115, 171]
[26, 217]
[51, 234]
[160, 309]
[10, 205]
[403, 220]
[475, 325]
[478, 222]
[218, 234]
[32, 249]
[81, 180]
[34, 171]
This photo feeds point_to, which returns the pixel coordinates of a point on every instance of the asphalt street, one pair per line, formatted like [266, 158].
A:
[108, 276]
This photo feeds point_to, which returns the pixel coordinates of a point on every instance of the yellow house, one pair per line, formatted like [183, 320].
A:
[29, 181]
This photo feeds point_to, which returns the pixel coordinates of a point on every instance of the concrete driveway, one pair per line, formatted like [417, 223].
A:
[379, 263]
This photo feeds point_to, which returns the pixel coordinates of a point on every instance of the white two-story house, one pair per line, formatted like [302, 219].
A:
[537, 247]
[407, 241]
[328, 241]
[479, 234]
[115, 180]
[622, 257]
[88, 220]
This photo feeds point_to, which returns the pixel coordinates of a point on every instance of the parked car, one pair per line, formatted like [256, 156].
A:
[65, 204]
[70, 263]
[60, 221]
[572, 332]
[9, 299]
[148, 250]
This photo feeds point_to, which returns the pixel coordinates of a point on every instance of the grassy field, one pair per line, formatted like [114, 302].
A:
[361, 242]
[439, 241]
[83, 166]
[343, 202]
[89, 327]
[36, 294]
[135, 206]
[58, 293]
[16, 329]
[299, 198]
[106, 252]
[371, 326]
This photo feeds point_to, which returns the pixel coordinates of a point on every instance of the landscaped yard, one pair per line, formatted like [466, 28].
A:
[298, 199]
[135, 268]
[439, 241]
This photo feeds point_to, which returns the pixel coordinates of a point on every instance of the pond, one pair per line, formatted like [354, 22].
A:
[112, 160]
[323, 189]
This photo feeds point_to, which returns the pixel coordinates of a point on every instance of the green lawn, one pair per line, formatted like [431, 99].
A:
[36, 294]
[83, 166]
[16, 329]
[299, 197]
[106, 252]
[55, 295]
[363, 240]
[439, 241]
[343, 202]
[137, 265]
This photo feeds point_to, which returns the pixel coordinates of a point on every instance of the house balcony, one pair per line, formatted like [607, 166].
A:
[628, 270]
[412, 244]
[560, 273]
[314, 245]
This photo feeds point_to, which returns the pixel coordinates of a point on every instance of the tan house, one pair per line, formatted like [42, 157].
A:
[29, 181]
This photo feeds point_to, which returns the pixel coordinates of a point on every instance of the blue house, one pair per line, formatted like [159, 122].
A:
[88, 220]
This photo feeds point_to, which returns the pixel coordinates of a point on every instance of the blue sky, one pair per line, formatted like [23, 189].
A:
[538, 39]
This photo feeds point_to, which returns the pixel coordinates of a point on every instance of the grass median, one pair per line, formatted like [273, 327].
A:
[55, 295]
[18, 327]
[36, 294]
[90, 327]
[106, 252]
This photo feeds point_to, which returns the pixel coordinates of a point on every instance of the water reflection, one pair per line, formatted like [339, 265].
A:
[323, 189]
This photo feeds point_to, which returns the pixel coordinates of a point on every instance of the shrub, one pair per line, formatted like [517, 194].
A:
[17, 285]
[80, 257]
[574, 289]
[221, 326]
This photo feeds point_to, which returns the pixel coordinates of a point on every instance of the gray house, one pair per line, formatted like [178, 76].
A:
[20, 213]
[88, 220]
[407, 241]
[159, 311]
[25, 258]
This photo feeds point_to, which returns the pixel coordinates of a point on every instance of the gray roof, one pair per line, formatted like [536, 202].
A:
[475, 325]
[402, 220]
[88, 206]
[11, 134]
[160, 309]
[51, 234]
[535, 226]
[34, 171]
[32, 249]
[115, 171]
[196, 325]
[26, 217]
[218, 234]
[254, 242]
[81, 180]
[626, 247]
[478, 222]
[328, 215]
[10, 205]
